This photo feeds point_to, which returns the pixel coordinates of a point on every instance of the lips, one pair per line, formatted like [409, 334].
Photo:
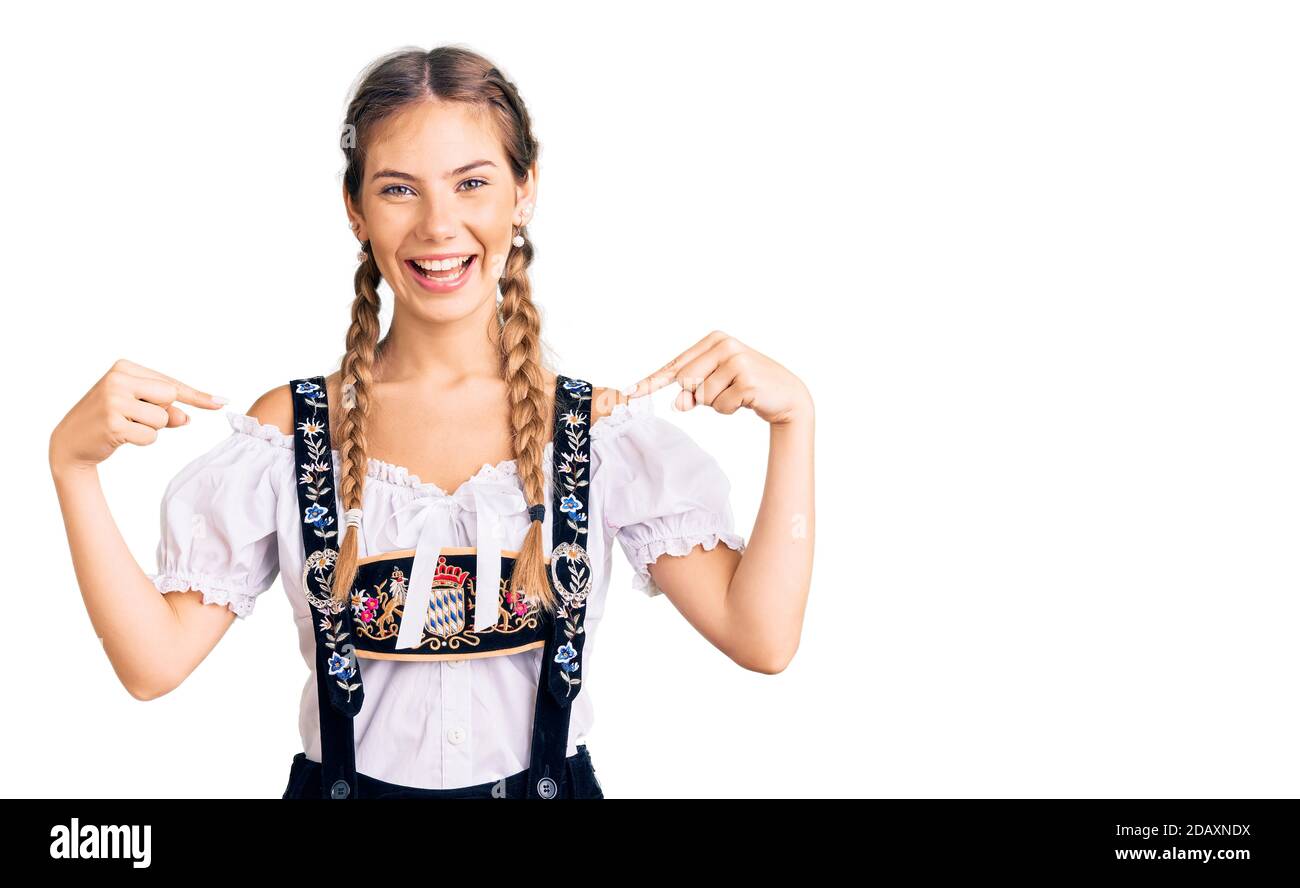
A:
[442, 281]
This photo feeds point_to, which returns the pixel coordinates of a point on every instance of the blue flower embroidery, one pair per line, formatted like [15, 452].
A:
[339, 666]
[576, 385]
[307, 387]
[315, 512]
[570, 504]
[565, 657]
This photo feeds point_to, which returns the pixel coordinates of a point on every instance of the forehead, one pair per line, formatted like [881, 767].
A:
[429, 138]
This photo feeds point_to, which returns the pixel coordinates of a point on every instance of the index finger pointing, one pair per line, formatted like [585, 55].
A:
[668, 372]
[184, 393]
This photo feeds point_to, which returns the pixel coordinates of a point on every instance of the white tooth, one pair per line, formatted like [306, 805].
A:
[443, 264]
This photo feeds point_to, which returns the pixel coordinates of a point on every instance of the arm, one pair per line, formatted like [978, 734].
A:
[152, 640]
[732, 599]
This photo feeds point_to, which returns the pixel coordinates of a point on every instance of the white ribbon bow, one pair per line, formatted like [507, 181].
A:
[436, 530]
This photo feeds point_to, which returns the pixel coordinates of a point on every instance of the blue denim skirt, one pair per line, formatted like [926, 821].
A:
[305, 783]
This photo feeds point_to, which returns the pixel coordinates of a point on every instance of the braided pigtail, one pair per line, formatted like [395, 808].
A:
[530, 418]
[356, 375]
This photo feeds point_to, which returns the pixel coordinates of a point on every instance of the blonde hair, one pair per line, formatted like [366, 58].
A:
[389, 85]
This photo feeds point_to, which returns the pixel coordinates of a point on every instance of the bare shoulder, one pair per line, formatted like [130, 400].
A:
[603, 401]
[275, 408]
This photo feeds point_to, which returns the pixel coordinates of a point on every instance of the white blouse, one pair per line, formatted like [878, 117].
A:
[230, 524]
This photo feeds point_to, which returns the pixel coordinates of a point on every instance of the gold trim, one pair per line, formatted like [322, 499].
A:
[455, 550]
[372, 655]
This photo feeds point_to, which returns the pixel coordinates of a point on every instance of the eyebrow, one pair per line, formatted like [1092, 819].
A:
[398, 174]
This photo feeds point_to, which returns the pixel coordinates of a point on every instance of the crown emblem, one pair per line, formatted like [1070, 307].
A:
[446, 615]
[448, 574]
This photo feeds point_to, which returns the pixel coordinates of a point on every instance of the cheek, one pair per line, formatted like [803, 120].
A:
[493, 242]
[390, 227]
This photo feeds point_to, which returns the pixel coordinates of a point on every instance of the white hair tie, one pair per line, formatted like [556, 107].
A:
[351, 518]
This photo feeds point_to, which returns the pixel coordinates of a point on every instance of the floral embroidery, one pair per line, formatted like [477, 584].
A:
[571, 555]
[566, 657]
[364, 607]
[515, 602]
[315, 483]
[315, 479]
[339, 666]
[318, 574]
[343, 661]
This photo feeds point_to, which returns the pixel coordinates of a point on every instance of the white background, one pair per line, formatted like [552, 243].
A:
[1036, 262]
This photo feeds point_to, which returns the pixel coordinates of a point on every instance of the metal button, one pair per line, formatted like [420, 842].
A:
[339, 790]
[546, 788]
[456, 735]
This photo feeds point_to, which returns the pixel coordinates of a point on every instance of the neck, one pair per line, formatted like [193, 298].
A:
[441, 352]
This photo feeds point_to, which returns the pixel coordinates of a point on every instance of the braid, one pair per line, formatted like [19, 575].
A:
[530, 419]
[358, 370]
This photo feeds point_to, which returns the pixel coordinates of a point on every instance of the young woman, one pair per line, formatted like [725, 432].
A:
[446, 606]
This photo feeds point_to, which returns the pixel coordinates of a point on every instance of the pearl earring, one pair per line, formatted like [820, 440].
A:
[519, 238]
[361, 254]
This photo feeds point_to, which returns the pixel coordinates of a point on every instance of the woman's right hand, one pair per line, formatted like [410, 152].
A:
[130, 403]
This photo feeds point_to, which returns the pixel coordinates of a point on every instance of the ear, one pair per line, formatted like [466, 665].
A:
[355, 219]
[526, 194]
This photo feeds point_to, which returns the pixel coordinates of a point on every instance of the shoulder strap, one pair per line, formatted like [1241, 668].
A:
[570, 567]
[317, 506]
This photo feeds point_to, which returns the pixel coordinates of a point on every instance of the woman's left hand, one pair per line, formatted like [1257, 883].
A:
[724, 373]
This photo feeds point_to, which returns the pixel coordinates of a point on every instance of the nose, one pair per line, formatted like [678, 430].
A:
[438, 220]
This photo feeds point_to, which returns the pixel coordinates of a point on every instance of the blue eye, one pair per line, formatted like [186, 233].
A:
[482, 182]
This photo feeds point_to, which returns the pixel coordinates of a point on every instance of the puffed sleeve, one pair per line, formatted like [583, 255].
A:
[663, 493]
[218, 523]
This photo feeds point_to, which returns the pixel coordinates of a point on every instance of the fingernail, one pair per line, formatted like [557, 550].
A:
[217, 399]
[630, 390]
[185, 419]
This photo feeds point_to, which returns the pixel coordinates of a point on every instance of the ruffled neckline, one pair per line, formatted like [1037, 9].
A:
[621, 418]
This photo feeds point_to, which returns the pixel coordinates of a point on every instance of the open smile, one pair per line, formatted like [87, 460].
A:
[441, 275]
